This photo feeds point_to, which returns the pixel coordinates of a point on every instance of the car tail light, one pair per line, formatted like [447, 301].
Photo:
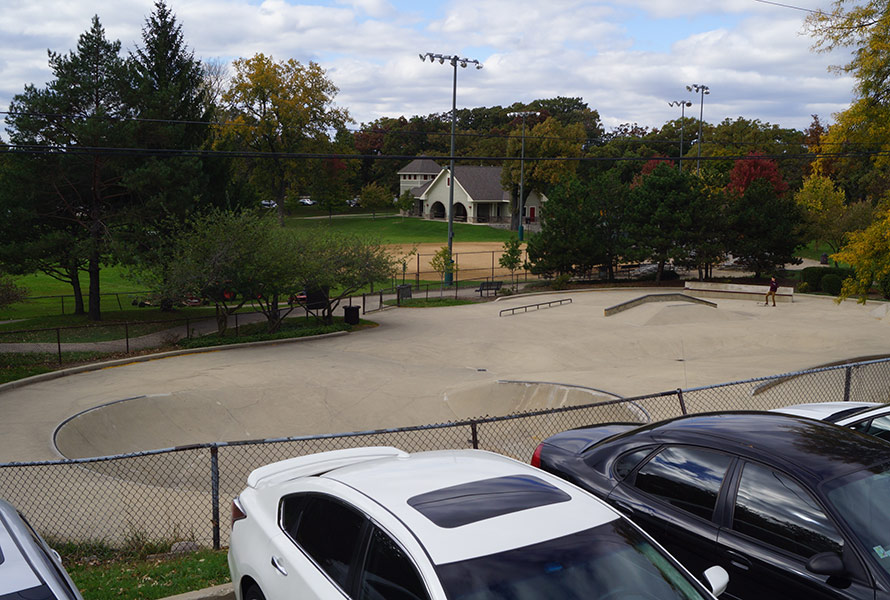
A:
[536, 457]
[237, 511]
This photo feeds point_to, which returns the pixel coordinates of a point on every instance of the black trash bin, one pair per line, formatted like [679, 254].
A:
[824, 258]
[404, 291]
[350, 315]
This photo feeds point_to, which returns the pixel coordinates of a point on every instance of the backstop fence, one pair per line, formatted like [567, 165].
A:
[184, 493]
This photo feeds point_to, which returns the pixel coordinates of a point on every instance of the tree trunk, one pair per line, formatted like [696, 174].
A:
[95, 313]
[74, 278]
[659, 272]
[222, 320]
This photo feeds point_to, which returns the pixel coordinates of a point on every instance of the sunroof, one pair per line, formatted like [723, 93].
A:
[479, 500]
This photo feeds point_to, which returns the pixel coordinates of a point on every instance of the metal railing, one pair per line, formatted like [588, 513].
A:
[180, 493]
[538, 306]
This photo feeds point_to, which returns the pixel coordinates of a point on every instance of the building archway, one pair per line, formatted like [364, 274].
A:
[437, 211]
[460, 212]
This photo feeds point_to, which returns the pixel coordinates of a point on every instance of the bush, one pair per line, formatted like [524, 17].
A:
[803, 288]
[831, 284]
[561, 281]
[812, 276]
[884, 286]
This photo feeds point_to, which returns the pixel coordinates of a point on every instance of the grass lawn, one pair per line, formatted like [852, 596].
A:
[403, 230]
[147, 579]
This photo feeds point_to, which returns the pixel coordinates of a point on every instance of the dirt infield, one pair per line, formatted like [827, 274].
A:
[475, 260]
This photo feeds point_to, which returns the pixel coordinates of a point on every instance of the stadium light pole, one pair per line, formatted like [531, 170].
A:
[682, 104]
[454, 61]
[695, 87]
[523, 114]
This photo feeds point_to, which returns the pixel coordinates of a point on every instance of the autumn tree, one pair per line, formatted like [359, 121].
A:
[828, 216]
[278, 108]
[374, 197]
[868, 252]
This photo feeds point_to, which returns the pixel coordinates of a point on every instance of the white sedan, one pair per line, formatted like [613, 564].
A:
[872, 418]
[380, 524]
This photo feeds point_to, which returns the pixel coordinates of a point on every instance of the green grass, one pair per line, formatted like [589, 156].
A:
[399, 230]
[15, 366]
[147, 579]
[257, 332]
[431, 302]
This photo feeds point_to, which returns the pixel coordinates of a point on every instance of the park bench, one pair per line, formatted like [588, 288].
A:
[489, 286]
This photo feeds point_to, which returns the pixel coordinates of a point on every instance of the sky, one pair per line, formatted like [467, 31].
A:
[625, 58]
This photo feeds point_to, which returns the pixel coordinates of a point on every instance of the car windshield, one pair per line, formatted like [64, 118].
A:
[861, 499]
[610, 561]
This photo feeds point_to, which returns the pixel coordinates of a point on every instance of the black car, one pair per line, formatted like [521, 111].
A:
[790, 506]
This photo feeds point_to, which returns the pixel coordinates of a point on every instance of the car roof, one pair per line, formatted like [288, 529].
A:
[16, 572]
[833, 412]
[813, 450]
[463, 504]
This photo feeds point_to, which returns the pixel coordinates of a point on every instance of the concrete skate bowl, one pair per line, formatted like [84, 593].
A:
[167, 421]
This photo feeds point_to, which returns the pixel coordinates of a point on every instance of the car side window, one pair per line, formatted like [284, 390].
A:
[628, 462]
[773, 508]
[388, 574]
[878, 427]
[688, 478]
[330, 532]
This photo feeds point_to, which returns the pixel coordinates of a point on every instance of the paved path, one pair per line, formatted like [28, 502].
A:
[430, 365]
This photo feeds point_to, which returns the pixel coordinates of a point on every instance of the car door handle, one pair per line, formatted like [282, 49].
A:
[739, 561]
[276, 562]
[624, 507]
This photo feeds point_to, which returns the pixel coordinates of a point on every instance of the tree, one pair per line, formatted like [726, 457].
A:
[549, 138]
[329, 189]
[828, 217]
[215, 257]
[661, 214]
[511, 259]
[405, 203]
[374, 197]
[10, 293]
[277, 108]
[868, 252]
[343, 264]
[83, 108]
[443, 263]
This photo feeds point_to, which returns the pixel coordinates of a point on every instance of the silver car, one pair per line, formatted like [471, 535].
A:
[29, 568]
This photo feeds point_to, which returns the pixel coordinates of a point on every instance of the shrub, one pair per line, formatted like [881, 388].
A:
[813, 275]
[803, 288]
[831, 284]
[884, 286]
[561, 281]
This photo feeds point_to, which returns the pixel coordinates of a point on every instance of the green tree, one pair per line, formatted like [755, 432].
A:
[374, 197]
[329, 187]
[405, 203]
[278, 108]
[827, 215]
[83, 107]
[661, 214]
[10, 293]
[443, 263]
[868, 252]
[511, 258]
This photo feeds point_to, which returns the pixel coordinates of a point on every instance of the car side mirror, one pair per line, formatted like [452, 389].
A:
[827, 563]
[718, 579]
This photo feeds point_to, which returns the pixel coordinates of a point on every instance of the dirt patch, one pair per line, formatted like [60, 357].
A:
[475, 260]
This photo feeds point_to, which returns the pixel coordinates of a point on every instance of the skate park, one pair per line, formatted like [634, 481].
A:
[423, 366]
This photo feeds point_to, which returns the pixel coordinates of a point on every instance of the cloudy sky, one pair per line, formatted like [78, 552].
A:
[625, 58]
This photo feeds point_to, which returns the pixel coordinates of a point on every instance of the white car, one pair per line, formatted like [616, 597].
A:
[872, 418]
[380, 524]
[29, 568]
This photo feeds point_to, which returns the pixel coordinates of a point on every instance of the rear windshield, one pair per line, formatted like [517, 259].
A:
[613, 558]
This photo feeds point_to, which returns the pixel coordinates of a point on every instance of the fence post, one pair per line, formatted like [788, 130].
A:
[682, 402]
[188, 331]
[848, 375]
[363, 303]
[417, 273]
[214, 493]
[236, 324]
[119, 307]
[475, 435]
[59, 344]
[63, 305]
[127, 336]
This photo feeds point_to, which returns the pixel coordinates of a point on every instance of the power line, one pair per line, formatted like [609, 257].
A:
[809, 10]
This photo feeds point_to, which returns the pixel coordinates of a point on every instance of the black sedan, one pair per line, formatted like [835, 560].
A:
[791, 507]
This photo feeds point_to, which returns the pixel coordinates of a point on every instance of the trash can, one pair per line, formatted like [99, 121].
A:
[404, 291]
[350, 315]
[824, 259]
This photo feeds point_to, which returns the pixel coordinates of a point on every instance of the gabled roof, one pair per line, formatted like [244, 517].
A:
[482, 184]
[425, 166]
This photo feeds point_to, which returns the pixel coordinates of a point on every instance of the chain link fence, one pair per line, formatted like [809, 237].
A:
[184, 493]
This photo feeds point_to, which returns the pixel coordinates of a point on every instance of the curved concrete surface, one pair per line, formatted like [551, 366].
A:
[428, 365]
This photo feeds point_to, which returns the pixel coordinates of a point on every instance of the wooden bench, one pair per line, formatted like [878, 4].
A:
[489, 286]
[707, 289]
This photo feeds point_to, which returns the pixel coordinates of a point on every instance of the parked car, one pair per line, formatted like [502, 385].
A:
[872, 418]
[792, 507]
[307, 201]
[29, 568]
[381, 524]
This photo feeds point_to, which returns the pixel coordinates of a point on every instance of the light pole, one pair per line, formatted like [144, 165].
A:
[682, 104]
[463, 62]
[523, 114]
[695, 87]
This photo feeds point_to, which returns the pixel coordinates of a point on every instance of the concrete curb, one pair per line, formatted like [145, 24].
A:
[219, 592]
[158, 355]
